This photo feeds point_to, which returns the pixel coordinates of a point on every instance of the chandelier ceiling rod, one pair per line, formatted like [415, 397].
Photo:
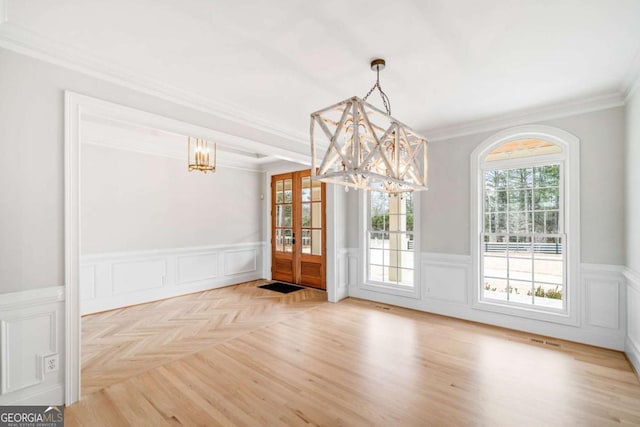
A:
[377, 65]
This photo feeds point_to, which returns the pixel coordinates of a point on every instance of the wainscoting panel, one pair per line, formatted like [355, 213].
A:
[342, 260]
[602, 295]
[445, 277]
[192, 268]
[114, 280]
[447, 290]
[632, 342]
[604, 308]
[134, 276]
[353, 265]
[19, 371]
[31, 327]
[240, 261]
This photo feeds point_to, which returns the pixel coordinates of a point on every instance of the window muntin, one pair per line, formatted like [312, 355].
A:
[523, 241]
[390, 239]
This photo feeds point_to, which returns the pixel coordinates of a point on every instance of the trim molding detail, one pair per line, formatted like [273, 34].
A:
[114, 280]
[446, 290]
[632, 341]
[35, 45]
[30, 43]
[31, 327]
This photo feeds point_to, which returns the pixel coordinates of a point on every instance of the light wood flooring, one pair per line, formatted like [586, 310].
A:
[246, 356]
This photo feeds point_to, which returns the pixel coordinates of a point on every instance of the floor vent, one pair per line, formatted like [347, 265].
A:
[539, 341]
[383, 307]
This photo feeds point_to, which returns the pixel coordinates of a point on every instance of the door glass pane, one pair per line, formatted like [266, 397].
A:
[288, 192]
[306, 189]
[287, 216]
[288, 240]
[283, 216]
[279, 191]
[316, 193]
[279, 240]
[306, 214]
[306, 241]
[316, 215]
[316, 242]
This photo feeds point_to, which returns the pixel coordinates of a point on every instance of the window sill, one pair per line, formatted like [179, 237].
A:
[384, 288]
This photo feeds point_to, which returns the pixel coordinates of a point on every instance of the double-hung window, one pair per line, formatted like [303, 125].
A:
[390, 242]
[526, 223]
[523, 252]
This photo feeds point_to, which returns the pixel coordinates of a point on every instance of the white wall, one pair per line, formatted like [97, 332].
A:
[135, 201]
[32, 161]
[32, 210]
[632, 273]
[445, 237]
[632, 154]
[150, 229]
[445, 207]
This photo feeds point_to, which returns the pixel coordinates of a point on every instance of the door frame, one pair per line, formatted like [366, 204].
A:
[298, 257]
[335, 276]
[76, 106]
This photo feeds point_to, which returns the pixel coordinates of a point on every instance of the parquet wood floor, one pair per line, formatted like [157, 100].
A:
[121, 343]
[358, 363]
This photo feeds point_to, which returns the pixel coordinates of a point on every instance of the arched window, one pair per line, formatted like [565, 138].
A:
[525, 223]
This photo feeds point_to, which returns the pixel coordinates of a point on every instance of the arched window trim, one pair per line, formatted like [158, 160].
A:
[570, 159]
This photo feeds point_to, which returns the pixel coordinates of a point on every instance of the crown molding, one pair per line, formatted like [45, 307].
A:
[526, 116]
[29, 43]
[26, 42]
[94, 108]
[631, 80]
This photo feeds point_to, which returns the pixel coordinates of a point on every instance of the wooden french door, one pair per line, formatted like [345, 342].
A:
[298, 229]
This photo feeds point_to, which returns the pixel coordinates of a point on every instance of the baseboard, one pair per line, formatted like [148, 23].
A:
[632, 341]
[47, 396]
[603, 339]
[633, 354]
[91, 307]
[447, 290]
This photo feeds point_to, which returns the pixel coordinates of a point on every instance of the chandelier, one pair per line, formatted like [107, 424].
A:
[367, 147]
[198, 155]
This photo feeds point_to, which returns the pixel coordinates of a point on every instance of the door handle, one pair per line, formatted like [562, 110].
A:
[293, 241]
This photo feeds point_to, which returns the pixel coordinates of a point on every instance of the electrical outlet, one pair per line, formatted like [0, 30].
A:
[50, 363]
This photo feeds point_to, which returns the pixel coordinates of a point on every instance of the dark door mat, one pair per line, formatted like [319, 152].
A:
[283, 288]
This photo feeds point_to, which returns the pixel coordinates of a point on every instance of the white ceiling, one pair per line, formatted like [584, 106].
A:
[448, 62]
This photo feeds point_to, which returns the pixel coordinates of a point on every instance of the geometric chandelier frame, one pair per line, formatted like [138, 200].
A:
[366, 147]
